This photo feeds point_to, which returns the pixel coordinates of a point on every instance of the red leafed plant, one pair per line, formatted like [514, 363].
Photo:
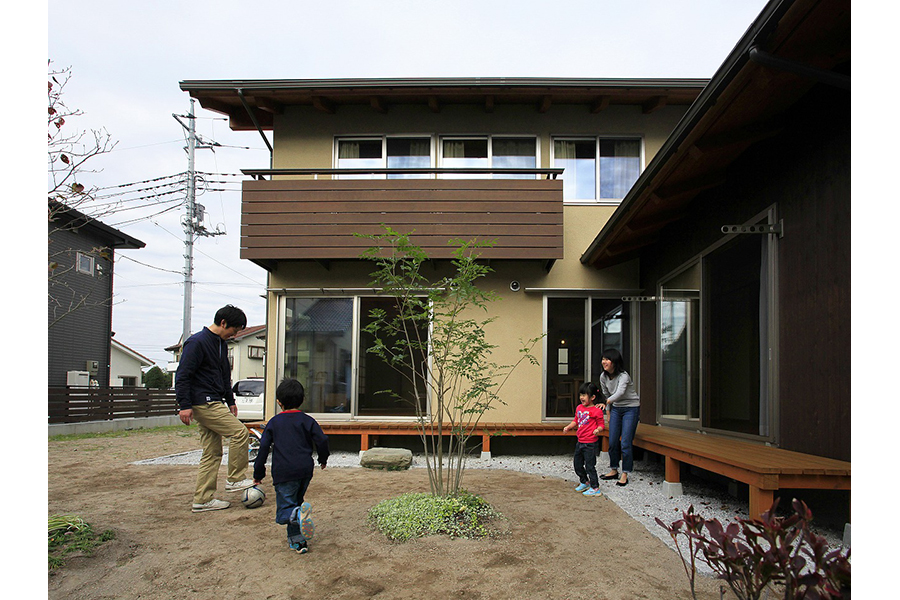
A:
[769, 553]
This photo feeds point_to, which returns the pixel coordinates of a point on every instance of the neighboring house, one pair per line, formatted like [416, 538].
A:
[740, 227]
[739, 334]
[126, 365]
[246, 353]
[80, 290]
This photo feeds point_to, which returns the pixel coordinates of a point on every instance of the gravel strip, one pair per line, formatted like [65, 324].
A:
[643, 498]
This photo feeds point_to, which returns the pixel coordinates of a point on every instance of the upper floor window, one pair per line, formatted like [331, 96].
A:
[380, 153]
[489, 151]
[597, 169]
[411, 152]
[84, 263]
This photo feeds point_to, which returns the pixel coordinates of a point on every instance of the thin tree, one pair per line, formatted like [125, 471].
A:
[436, 339]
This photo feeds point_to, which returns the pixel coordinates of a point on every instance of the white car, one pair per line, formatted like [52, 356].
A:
[249, 397]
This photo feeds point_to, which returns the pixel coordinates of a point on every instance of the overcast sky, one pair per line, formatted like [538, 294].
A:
[127, 63]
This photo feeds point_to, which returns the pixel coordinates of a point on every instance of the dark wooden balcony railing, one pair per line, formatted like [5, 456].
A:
[291, 218]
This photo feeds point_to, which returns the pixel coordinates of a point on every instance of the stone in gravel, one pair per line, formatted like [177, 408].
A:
[390, 459]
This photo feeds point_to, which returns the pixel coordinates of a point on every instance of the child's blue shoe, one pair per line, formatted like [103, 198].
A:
[307, 528]
[581, 487]
[595, 492]
[300, 547]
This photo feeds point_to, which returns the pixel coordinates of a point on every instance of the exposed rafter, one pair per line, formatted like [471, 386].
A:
[545, 103]
[378, 104]
[653, 104]
[323, 105]
[600, 104]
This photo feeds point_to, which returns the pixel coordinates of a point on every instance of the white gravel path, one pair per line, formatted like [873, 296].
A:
[643, 498]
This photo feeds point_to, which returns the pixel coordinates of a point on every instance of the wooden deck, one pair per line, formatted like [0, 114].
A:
[765, 469]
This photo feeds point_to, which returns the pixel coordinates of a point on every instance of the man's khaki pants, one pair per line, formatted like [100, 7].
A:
[215, 421]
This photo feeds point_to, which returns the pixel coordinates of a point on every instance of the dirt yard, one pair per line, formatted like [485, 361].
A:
[561, 545]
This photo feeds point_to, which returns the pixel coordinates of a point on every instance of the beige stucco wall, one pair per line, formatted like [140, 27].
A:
[520, 315]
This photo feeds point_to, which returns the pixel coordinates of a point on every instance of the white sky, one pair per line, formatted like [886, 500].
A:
[127, 63]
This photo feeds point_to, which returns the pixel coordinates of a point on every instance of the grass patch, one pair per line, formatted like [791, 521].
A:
[70, 534]
[414, 515]
[183, 431]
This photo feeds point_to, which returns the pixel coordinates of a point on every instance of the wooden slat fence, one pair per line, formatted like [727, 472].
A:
[81, 404]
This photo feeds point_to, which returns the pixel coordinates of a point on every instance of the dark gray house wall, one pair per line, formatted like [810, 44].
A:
[805, 172]
[79, 308]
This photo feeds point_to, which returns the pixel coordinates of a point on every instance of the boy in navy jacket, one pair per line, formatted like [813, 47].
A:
[291, 434]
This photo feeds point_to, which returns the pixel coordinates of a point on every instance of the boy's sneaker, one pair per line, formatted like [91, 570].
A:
[593, 492]
[581, 487]
[237, 486]
[213, 504]
[300, 547]
[307, 528]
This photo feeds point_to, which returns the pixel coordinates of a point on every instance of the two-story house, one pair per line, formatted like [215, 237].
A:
[80, 290]
[538, 165]
[700, 227]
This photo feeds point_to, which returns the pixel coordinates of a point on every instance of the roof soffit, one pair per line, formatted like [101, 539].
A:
[749, 109]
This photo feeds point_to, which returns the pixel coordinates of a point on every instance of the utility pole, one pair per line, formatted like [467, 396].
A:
[193, 219]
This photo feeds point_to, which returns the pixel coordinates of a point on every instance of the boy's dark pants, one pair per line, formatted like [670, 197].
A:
[288, 496]
[586, 463]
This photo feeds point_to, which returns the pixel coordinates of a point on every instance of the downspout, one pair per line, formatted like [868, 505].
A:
[269, 330]
[240, 93]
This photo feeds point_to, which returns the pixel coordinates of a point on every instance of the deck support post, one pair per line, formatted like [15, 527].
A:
[486, 446]
[672, 484]
[760, 501]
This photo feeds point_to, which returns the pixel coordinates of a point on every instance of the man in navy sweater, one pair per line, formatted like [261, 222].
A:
[203, 391]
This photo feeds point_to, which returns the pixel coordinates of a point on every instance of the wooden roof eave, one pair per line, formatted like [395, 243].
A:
[726, 119]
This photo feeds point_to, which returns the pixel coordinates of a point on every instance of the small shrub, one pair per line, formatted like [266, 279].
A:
[758, 555]
[68, 534]
[413, 515]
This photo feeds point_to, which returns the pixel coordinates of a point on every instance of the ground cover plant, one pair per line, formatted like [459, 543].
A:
[769, 554]
[70, 534]
[414, 515]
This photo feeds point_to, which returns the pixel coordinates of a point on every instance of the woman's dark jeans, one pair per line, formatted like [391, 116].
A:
[623, 422]
[586, 463]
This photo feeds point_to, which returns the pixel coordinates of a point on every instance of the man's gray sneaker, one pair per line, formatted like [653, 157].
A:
[237, 486]
[213, 504]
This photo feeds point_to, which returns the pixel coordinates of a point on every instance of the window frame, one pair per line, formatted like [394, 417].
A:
[383, 139]
[596, 139]
[355, 359]
[771, 426]
[550, 357]
[489, 137]
[79, 256]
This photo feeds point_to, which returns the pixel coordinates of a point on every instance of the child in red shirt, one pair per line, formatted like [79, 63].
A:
[589, 421]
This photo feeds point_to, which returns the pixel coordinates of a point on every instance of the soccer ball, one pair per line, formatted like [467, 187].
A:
[253, 497]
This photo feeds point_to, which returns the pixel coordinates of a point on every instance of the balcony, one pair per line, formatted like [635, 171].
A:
[315, 217]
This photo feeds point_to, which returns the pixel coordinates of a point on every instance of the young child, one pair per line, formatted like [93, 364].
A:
[292, 434]
[589, 421]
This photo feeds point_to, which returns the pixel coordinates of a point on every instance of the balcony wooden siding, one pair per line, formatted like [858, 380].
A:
[300, 219]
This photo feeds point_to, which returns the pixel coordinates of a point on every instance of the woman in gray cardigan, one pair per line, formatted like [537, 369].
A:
[624, 407]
